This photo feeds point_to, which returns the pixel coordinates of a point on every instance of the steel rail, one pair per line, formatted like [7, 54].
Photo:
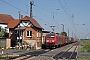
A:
[66, 52]
[73, 52]
[29, 54]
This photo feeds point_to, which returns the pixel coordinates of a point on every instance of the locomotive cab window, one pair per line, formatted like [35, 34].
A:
[49, 36]
[29, 33]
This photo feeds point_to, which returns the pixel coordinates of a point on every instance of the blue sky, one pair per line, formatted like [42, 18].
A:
[72, 13]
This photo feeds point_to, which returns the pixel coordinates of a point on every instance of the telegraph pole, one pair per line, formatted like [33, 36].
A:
[19, 30]
[68, 32]
[72, 33]
[19, 14]
[31, 3]
[62, 27]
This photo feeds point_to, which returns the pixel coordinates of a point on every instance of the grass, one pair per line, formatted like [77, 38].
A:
[3, 56]
[6, 56]
[86, 46]
[83, 58]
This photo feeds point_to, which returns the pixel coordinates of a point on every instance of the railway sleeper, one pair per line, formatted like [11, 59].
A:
[66, 58]
[66, 55]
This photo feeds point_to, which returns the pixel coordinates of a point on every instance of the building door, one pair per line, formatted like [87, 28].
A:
[20, 37]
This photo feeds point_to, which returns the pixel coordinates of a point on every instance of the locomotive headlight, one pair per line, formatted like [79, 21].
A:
[47, 40]
[52, 40]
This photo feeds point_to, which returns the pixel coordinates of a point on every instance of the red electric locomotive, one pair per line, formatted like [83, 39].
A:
[55, 40]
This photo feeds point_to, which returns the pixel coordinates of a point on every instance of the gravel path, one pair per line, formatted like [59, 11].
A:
[42, 58]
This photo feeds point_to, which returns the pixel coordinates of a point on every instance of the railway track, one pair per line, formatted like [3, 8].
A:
[28, 55]
[55, 53]
[65, 52]
[68, 54]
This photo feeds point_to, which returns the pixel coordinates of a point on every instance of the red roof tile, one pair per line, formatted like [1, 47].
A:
[13, 23]
[5, 18]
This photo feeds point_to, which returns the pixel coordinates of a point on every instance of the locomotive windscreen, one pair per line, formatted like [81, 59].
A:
[50, 36]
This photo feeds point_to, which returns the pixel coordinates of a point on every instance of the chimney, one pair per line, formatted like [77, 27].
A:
[21, 16]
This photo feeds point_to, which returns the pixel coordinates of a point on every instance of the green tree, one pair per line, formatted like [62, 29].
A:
[0, 28]
[3, 32]
[63, 33]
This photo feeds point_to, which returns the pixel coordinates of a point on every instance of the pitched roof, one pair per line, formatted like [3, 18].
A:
[32, 20]
[13, 23]
[5, 18]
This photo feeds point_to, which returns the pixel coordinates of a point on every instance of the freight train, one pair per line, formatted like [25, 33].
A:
[56, 40]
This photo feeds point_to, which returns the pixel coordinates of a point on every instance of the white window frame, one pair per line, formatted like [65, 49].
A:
[29, 33]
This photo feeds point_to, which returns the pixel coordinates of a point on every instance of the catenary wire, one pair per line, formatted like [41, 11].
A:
[14, 6]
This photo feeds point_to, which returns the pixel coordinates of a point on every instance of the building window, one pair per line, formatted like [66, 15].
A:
[29, 33]
[37, 33]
